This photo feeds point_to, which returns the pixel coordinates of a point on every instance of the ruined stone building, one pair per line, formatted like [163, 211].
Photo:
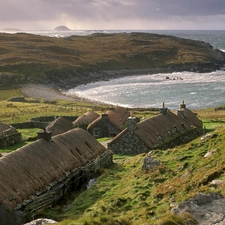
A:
[9, 135]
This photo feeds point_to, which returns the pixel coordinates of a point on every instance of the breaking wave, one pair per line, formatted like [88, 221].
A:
[198, 90]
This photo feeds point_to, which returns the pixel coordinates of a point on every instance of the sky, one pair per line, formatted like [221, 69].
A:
[113, 14]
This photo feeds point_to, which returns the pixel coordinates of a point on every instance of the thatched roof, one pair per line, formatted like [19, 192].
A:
[192, 119]
[156, 129]
[7, 130]
[86, 118]
[33, 167]
[59, 126]
[159, 128]
[117, 116]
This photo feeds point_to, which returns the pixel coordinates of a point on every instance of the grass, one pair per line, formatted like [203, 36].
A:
[29, 134]
[13, 147]
[104, 139]
[27, 57]
[8, 93]
[124, 192]
[15, 112]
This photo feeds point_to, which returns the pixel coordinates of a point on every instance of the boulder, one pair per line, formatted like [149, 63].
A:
[209, 153]
[41, 221]
[216, 183]
[149, 163]
[205, 209]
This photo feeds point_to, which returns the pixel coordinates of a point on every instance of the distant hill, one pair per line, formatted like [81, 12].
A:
[62, 28]
[10, 29]
[75, 60]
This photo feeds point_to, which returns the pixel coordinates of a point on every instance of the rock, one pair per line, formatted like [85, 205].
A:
[209, 153]
[216, 183]
[203, 138]
[41, 222]
[173, 204]
[149, 163]
[206, 209]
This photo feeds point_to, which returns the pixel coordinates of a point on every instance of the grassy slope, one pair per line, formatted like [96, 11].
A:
[124, 194]
[36, 58]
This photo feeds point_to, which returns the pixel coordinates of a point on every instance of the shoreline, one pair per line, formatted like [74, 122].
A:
[54, 91]
[51, 93]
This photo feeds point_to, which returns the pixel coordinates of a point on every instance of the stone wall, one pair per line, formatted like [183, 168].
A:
[30, 124]
[104, 128]
[178, 139]
[52, 118]
[128, 144]
[10, 140]
[40, 122]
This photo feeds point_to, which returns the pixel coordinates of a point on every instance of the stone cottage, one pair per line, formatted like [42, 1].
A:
[84, 120]
[162, 131]
[39, 174]
[110, 123]
[9, 135]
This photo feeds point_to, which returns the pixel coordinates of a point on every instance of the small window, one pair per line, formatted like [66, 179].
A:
[175, 128]
[96, 133]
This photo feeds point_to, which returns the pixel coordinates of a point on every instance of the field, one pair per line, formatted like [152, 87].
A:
[124, 193]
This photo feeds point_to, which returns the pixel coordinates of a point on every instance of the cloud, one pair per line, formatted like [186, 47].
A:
[113, 14]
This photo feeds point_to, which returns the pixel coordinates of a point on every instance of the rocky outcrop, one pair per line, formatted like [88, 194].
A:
[205, 209]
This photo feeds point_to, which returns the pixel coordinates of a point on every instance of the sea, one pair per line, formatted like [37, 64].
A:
[197, 90]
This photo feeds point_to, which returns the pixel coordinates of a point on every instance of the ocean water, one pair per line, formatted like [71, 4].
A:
[198, 90]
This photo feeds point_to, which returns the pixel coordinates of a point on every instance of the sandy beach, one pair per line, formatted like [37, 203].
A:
[49, 93]
[45, 92]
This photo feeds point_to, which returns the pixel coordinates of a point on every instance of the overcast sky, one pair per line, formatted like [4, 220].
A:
[113, 14]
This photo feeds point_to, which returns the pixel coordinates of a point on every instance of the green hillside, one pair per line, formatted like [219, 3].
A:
[125, 194]
[74, 60]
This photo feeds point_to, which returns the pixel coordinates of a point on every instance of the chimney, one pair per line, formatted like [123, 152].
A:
[163, 110]
[45, 135]
[180, 112]
[105, 116]
[182, 105]
[131, 123]
[112, 108]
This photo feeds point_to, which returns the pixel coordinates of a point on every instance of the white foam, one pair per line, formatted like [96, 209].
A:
[197, 89]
